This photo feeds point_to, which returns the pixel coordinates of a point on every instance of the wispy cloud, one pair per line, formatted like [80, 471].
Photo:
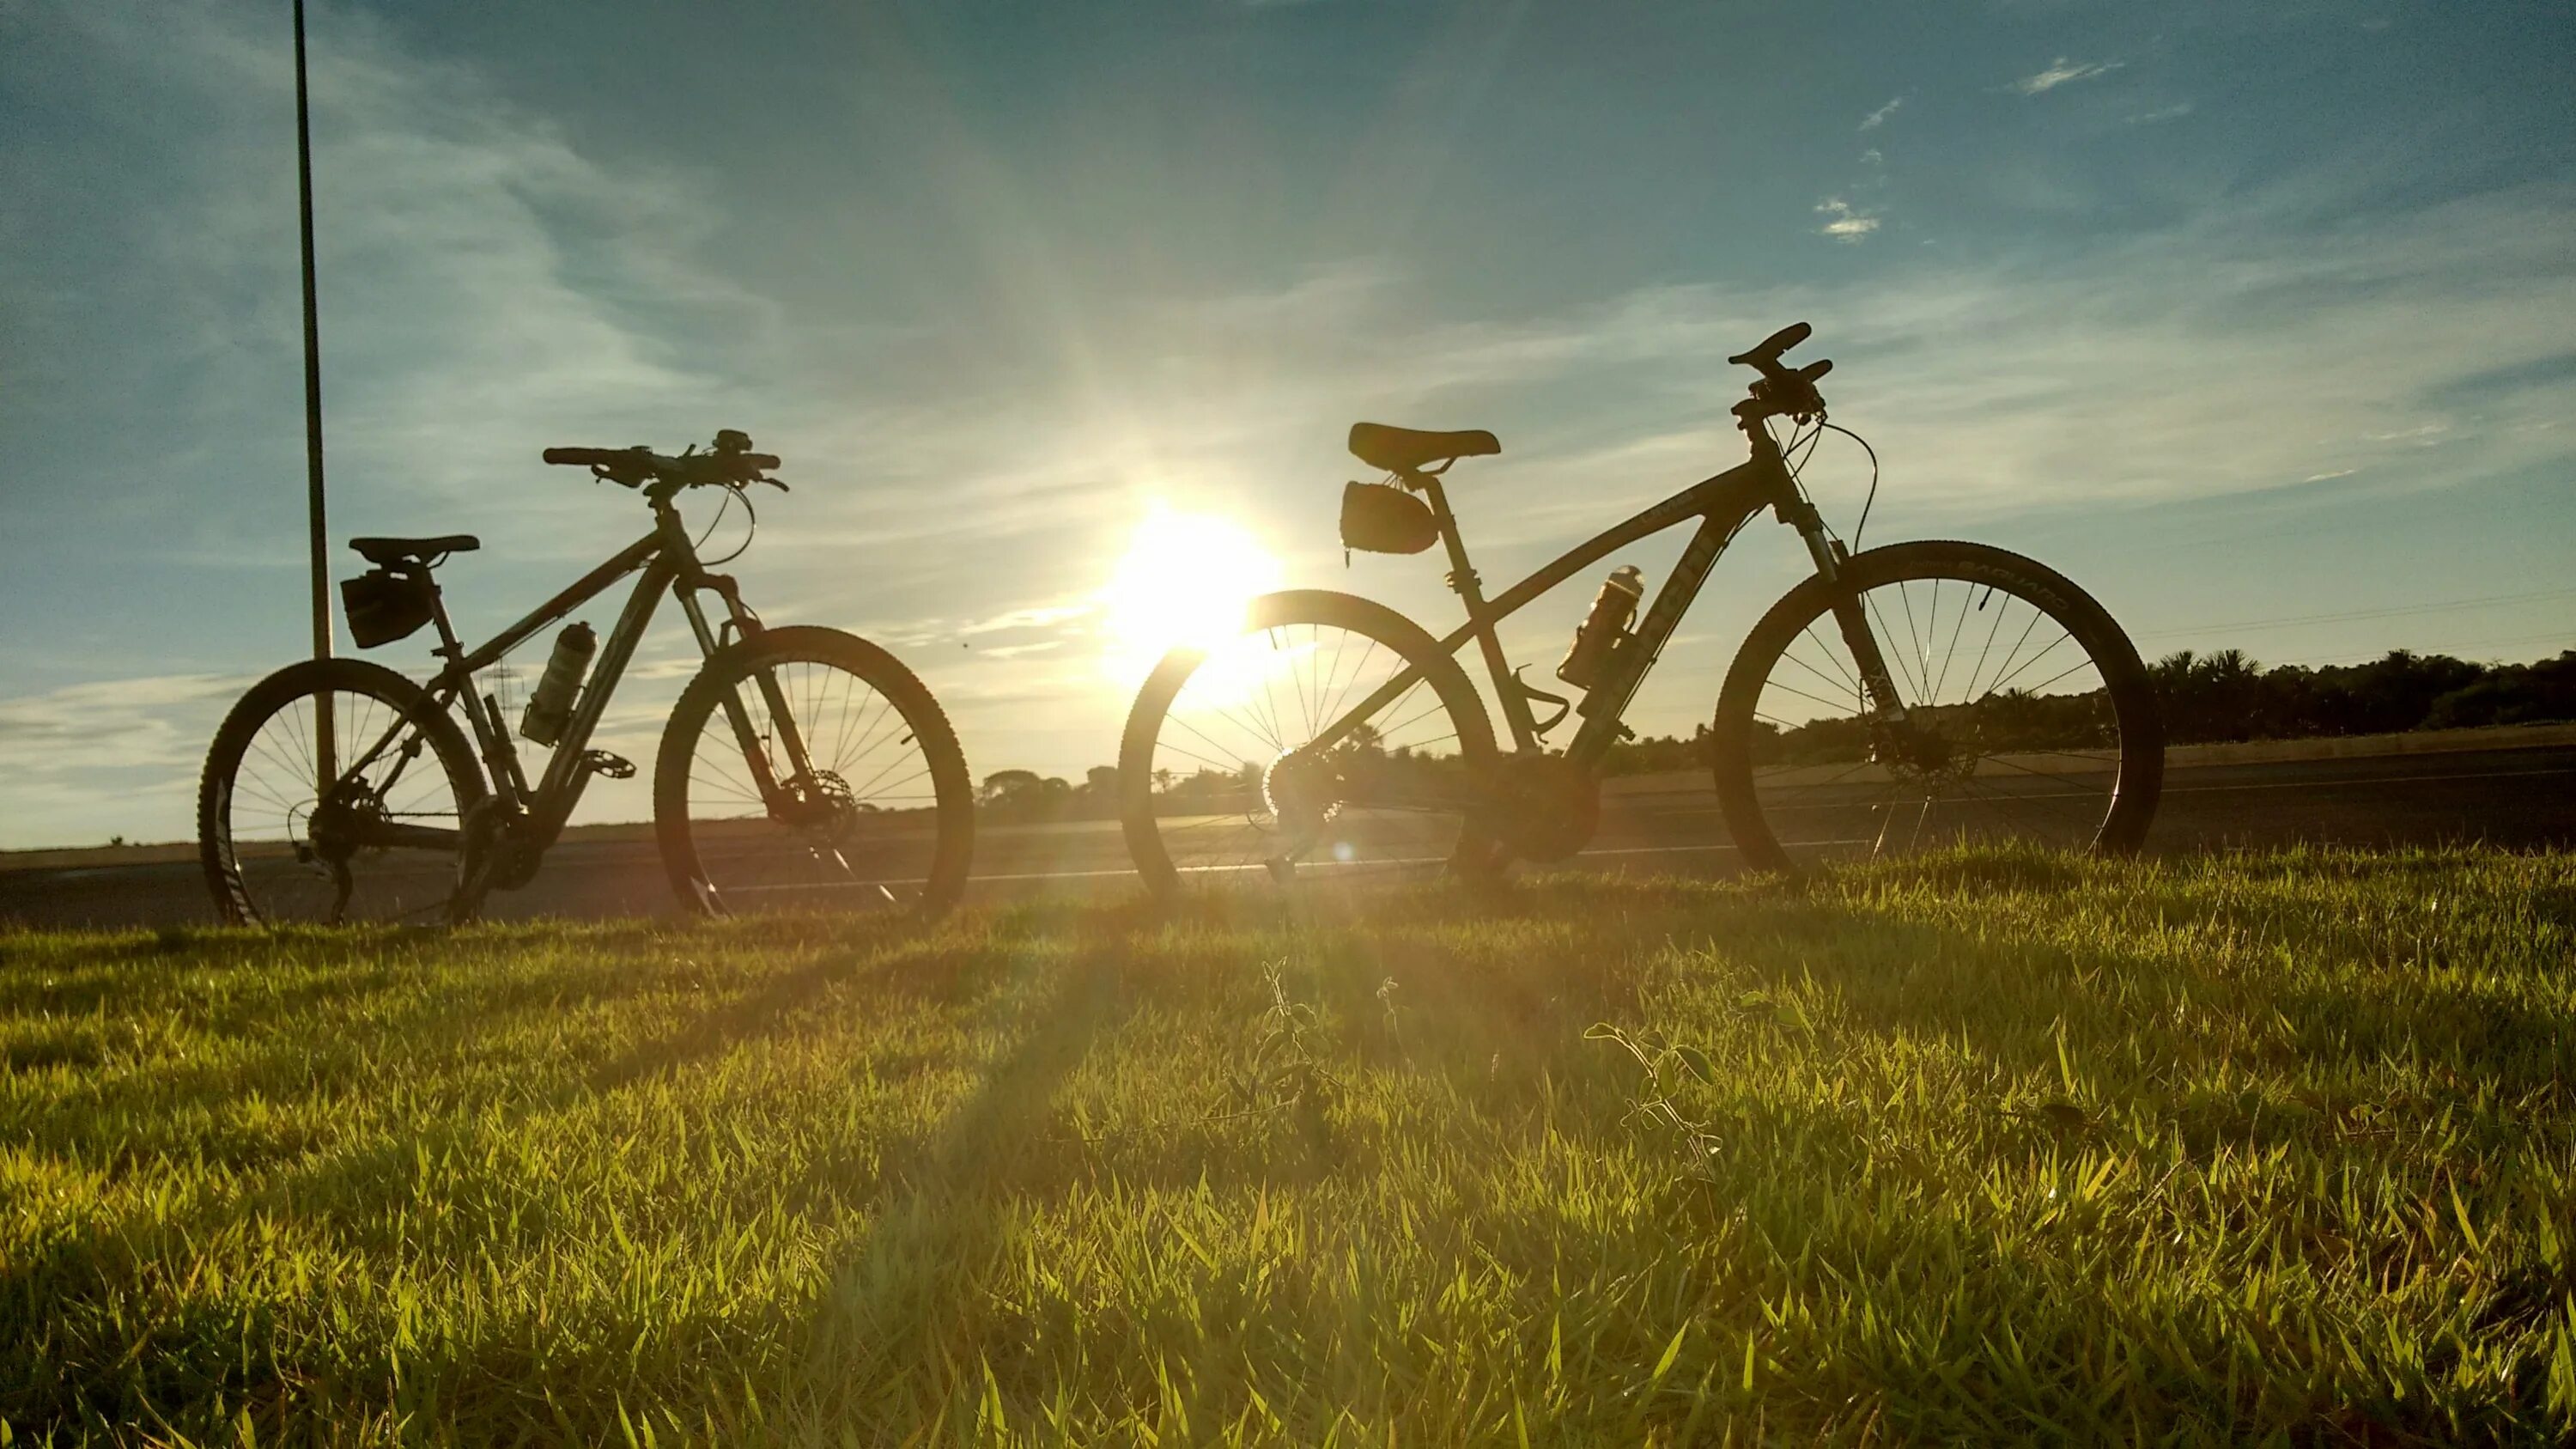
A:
[1842, 222]
[1878, 118]
[2062, 71]
[2174, 112]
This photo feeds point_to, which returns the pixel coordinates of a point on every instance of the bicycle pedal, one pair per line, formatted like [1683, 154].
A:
[614, 767]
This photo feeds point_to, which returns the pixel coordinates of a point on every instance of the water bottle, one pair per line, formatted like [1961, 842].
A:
[1603, 628]
[551, 705]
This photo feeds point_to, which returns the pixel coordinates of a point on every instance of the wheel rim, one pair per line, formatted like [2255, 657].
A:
[2011, 735]
[288, 854]
[1235, 789]
[856, 826]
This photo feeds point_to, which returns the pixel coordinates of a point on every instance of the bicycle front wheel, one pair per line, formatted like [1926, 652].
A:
[807, 769]
[2027, 717]
[1221, 776]
[377, 839]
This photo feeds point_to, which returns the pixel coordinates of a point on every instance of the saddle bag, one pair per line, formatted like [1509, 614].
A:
[384, 606]
[1380, 518]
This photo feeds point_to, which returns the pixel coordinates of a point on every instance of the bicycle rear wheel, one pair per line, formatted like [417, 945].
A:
[1218, 780]
[379, 845]
[2028, 717]
[838, 786]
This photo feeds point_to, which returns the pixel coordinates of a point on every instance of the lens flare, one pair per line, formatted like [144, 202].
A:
[1183, 583]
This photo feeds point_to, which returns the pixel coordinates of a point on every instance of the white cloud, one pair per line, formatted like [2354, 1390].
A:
[2062, 71]
[1878, 118]
[2174, 112]
[1842, 222]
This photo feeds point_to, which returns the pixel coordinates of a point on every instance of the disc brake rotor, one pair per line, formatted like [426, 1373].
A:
[821, 803]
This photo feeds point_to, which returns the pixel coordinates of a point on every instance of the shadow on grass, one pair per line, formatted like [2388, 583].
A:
[1491, 997]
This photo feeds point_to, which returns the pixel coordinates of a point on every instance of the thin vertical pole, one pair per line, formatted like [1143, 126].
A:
[327, 767]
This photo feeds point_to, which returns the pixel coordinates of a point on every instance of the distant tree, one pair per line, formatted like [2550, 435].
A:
[1005, 785]
[2226, 696]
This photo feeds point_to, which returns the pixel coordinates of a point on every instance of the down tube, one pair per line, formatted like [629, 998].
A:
[1602, 707]
[556, 793]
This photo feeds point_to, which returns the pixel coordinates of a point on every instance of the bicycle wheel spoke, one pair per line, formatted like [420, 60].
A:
[1958, 766]
[850, 827]
[1364, 806]
[1998, 686]
[276, 852]
[1878, 614]
[1859, 703]
[1979, 668]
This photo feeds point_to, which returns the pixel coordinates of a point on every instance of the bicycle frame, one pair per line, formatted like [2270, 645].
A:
[1723, 504]
[669, 563]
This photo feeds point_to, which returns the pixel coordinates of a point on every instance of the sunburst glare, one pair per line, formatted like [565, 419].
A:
[1184, 581]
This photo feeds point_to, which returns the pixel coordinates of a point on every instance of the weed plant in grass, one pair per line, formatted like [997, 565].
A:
[1983, 1147]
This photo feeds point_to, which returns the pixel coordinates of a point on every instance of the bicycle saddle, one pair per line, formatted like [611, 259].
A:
[1402, 450]
[382, 551]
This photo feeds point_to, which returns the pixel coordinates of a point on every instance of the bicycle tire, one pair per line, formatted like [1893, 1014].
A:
[953, 810]
[1321, 609]
[2138, 779]
[218, 852]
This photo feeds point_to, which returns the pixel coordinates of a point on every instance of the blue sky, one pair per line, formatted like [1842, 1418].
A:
[2258, 319]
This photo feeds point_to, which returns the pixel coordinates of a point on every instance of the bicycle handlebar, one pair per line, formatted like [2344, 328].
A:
[1767, 352]
[730, 465]
[1781, 391]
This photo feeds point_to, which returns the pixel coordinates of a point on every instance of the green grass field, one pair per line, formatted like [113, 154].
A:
[1977, 1148]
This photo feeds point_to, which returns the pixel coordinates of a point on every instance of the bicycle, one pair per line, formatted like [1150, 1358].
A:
[337, 789]
[1333, 736]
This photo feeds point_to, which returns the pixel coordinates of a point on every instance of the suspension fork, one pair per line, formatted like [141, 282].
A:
[746, 625]
[1851, 615]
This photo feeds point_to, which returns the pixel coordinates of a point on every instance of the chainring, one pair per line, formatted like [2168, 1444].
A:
[492, 857]
[1546, 806]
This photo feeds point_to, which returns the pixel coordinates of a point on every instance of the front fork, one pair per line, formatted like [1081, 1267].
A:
[1850, 613]
[747, 625]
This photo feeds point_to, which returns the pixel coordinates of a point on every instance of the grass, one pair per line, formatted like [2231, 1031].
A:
[1985, 1147]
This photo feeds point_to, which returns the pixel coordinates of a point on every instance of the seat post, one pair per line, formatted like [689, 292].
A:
[1463, 580]
[450, 647]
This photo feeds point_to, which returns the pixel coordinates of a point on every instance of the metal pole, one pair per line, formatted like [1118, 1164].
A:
[327, 765]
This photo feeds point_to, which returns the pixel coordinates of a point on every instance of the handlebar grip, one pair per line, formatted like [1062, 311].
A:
[1771, 347]
[1815, 370]
[761, 462]
[588, 457]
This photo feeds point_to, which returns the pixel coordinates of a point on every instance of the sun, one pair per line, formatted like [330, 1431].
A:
[1184, 581]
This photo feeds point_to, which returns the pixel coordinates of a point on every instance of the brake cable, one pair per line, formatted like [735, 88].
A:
[1795, 460]
[1873, 478]
[732, 492]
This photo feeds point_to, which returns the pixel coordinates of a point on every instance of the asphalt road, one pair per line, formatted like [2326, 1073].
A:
[2519, 798]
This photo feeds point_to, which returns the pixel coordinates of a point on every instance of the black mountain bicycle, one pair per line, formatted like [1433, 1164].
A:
[801, 767]
[1914, 695]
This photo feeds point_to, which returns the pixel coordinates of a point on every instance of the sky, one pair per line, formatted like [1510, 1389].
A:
[2257, 319]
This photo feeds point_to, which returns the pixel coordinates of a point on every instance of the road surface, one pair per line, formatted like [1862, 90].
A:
[2518, 798]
